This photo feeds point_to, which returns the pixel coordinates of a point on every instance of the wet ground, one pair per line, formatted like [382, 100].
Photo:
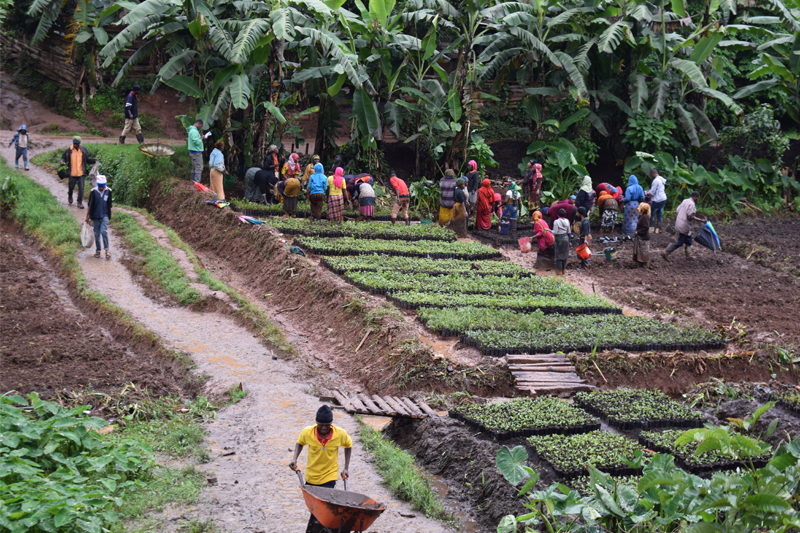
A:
[250, 442]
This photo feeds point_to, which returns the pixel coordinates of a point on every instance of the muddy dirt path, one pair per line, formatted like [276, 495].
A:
[250, 442]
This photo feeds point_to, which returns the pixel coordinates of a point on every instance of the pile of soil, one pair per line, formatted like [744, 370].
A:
[315, 304]
[49, 346]
[788, 422]
[712, 289]
[508, 154]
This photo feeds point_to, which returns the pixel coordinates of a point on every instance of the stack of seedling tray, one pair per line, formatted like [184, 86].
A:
[628, 409]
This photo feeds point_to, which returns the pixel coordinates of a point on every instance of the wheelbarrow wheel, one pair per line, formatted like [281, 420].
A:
[315, 527]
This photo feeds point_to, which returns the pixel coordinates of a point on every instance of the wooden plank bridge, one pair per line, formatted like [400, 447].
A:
[545, 374]
[393, 406]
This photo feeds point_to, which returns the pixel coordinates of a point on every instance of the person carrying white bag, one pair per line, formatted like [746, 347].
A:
[99, 212]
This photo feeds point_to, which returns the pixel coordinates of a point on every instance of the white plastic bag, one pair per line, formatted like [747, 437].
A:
[87, 235]
[93, 174]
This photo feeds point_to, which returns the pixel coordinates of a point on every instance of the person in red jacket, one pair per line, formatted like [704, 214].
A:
[402, 198]
[567, 205]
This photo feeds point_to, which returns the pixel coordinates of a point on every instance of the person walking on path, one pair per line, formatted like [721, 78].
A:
[20, 142]
[402, 198]
[77, 160]
[132, 116]
[216, 163]
[309, 170]
[446, 201]
[483, 216]
[473, 184]
[658, 200]
[633, 195]
[458, 223]
[561, 236]
[289, 190]
[641, 242]
[195, 144]
[99, 213]
[317, 184]
[585, 194]
[683, 225]
[337, 191]
[585, 233]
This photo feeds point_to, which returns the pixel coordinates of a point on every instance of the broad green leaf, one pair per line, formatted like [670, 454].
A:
[651, 479]
[508, 462]
[222, 78]
[334, 89]
[508, 524]
[100, 36]
[767, 503]
[198, 27]
[176, 64]
[454, 103]
[744, 92]
[704, 48]
[678, 8]
[691, 70]
[545, 91]
[705, 527]
[573, 118]
[275, 112]
[184, 84]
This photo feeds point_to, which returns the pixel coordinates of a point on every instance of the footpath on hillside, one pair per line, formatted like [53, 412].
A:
[250, 443]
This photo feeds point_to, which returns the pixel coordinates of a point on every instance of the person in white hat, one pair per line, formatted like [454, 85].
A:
[100, 213]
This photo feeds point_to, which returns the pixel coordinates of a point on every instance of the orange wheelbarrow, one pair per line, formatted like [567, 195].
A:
[338, 511]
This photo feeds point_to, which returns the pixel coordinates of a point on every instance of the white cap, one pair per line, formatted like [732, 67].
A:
[101, 180]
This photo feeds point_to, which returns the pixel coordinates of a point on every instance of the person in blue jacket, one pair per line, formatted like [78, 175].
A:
[99, 213]
[633, 195]
[132, 116]
[20, 142]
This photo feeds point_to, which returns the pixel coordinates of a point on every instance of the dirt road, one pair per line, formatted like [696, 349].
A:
[250, 442]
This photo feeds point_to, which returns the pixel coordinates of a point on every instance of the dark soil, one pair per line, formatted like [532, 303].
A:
[318, 306]
[50, 347]
[465, 460]
[772, 242]
[711, 289]
[788, 427]
[400, 157]
[676, 373]
[509, 154]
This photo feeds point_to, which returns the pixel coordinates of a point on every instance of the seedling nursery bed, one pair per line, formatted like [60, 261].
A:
[432, 267]
[526, 417]
[628, 409]
[305, 213]
[789, 401]
[432, 249]
[569, 455]
[704, 464]
[417, 232]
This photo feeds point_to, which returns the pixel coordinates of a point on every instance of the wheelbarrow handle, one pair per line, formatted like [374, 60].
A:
[300, 477]
[345, 483]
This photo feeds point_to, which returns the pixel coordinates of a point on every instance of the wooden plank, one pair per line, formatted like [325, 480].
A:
[552, 390]
[525, 357]
[374, 409]
[552, 381]
[383, 405]
[538, 375]
[569, 368]
[532, 359]
[534, 366]
[396, 406]
[411, 405]
[426, 408]
[343, 401]
[360, 407]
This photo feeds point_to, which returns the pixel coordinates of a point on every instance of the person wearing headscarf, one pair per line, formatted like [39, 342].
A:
[317, 184]
[641, 241]
[273, 164]
[473, 183]
[485, 202]
[535, 185]
[20, 142]
[544, 237]
[446, 201]
[99, 213]
[459, 221]
[658, 196]
[685, 216]
[289, 190]
[402, 198]
[567, 205]
[337, 192]
[291, 169]
[633, 195]
[365, 195]
[309, 170]
[609, 209]
[514, 193]
[561, 241]
[585, 194]
[252, 191]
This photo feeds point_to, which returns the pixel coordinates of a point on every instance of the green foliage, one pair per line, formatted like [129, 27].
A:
[151, 126]
[296, 226]
[401, 474]
[57, 473]
[157, 262]
[351, 246]
[758, 134]
[563, 166]
[9, 193]
[521, 301]
[598, 449]
[370, 262]
[543, 413]
[425, 195]
[646, 134]
[480, 152]
[635, 405]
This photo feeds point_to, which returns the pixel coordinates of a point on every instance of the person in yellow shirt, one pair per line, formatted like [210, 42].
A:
[323, 440]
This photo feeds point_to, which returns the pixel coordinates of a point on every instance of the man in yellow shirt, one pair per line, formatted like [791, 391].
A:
[323, 440]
